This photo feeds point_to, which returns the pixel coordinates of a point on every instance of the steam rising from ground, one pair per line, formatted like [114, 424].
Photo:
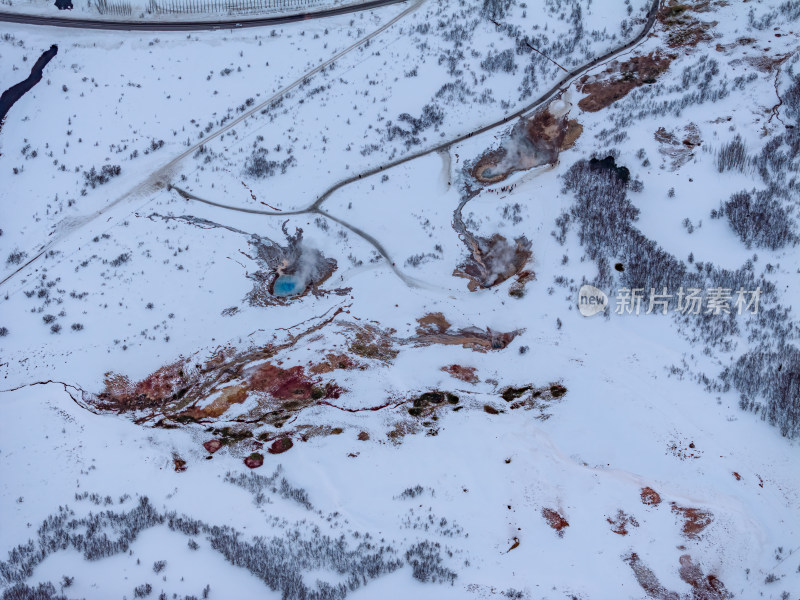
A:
[299, 266]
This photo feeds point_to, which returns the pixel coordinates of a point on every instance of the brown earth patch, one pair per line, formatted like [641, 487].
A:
[212, 446]
[179, 464]
[334, 361]
[650, 496]
[372, 342]
[533, 141]
[254, 461]
[482, 171]
[619, 78]
[494, 260]
[555, 520]
[363, 436]
[704, 587]
[764, 63]
[517, 289]
[432, 323]
[737, 476]
[695, 520]
[402, 429]
[682, 29]
[174, 394]
[530, 397]
[230, 395]
[282, 384]
[571, 135]
[489, 409]
[466, 374]
[480, 340]
[742, 41]
[428, 403]
[280, 446]
[619, 524]
[306, 432]
[200, 390]
[648, 580]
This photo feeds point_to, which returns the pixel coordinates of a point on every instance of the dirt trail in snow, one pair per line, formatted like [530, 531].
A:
[556, 90]
[159, 179]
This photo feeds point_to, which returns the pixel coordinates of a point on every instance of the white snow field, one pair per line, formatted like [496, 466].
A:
[292, 312]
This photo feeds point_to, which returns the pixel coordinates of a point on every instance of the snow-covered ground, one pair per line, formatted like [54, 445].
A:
[591, 458]
[156, 11]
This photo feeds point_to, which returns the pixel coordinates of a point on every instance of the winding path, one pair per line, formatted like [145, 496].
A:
[315, 208]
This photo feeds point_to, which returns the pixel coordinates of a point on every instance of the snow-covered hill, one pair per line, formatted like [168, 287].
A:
[294, 313]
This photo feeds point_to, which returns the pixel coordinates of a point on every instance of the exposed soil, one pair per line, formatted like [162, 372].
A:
[530, 397]
[235, 394]
[532, 142]
[555, 520]
[742, 41]
[704, 587]
[494, 260]
[434, 329]
[466, 374]
[682, 28]
[281, 445]
[179, 464]
[432, 323]
[517, 289]
[306, 432]
[271, 395]
[621, 522]
[695, 520]
[571, 135]
[289, 384]
[765, 64]
[254, 461]
[648, 580]
[307, 265]
[212, 446]
[427, 404]
[402, 429]
[334, 361]
[650, 497]
[180, 392]
[483, 169]
[370, 341]
[619, 78]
